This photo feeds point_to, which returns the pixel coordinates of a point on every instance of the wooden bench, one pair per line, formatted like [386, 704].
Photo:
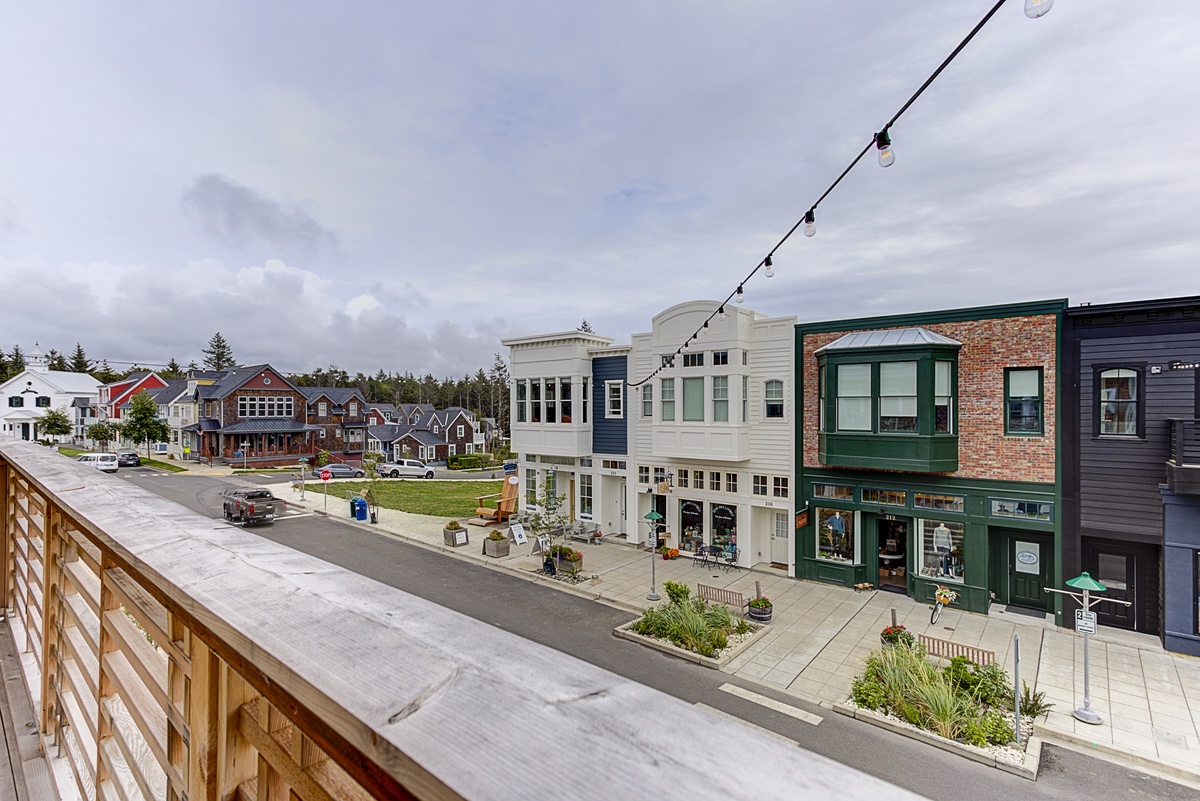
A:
[718, 595]
[945, 649]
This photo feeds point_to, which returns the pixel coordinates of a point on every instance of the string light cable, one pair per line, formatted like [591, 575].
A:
[882, 142]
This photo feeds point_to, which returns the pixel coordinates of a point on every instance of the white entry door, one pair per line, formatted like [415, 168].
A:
[781, 539]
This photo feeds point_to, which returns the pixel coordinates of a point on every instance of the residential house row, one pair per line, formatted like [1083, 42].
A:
[997, 450]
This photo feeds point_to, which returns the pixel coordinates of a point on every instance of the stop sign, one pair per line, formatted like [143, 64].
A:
[326, 475]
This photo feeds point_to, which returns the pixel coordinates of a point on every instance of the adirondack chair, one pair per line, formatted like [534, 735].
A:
[505, 500]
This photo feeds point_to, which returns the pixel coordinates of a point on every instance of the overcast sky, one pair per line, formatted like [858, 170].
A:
[399, 185]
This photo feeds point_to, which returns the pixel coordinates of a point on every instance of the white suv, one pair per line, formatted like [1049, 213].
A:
[408, 468]
[101, 461]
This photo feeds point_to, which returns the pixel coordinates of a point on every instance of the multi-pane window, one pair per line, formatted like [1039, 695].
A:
[322, 409]
[773, 397]
[943, 398]
[551, 401]
[668, 399]
[521, 400]
[647, 401]
[585, 495]
[682, 478]
[16, 400]
[698, 479]
[43, 401]
[885, 497]
[270, 406]
[353, 409]
[720, 357]
[898, 396]
[758, 485]
[614, 393]
[530, 484]
[643, 474]
[1118, 401]
[714, 481]
[693, 360]
[660, 475]
[745, 399]
[720, 394]
[947, 503]
[1023, 401]
[833, 492]
[585, 400]
[779, 486]
[461, 432]
[693, 400]
[854, 397]
[551, 486]
[564, 399]
[731, 482]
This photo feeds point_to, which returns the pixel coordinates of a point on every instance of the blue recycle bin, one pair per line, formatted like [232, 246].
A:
[360, 508]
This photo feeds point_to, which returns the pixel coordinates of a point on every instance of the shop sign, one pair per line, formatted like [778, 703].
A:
[802, 519]
[1028, 556]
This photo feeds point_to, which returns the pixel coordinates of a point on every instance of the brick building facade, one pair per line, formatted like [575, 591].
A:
[929, 453]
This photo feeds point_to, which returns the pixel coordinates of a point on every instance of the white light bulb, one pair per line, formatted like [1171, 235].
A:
[810, 224]
[1036, 8]
[887, 156]
[770, 267]
[721, 313]
[740, 296]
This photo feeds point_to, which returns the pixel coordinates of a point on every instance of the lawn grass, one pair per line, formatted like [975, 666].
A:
[70, 453]
[439, 498]
[174, 468]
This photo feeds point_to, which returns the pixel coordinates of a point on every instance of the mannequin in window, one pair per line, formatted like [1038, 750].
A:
[942, 545]
[836, 525]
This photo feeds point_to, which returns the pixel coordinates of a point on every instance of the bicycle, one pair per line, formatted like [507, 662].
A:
[941, 597]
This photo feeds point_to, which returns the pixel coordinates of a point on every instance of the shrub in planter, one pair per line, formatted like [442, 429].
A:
[897, 635]
[677, 593]
[453, 534]
[496, 545]
[760, 609]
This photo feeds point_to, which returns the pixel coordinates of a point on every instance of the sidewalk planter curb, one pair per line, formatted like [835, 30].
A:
[1126, 755]
[1026, 770]
[623, 631]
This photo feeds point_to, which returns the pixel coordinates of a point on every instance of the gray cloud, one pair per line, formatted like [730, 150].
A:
[237, 215]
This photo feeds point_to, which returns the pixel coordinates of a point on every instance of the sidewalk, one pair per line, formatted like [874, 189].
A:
[1149, 699]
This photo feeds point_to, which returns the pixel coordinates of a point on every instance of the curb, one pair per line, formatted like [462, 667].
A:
[1028, 769]
[624, 633]
[1114, 752]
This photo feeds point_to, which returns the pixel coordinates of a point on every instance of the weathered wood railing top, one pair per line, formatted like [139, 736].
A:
[409, 698]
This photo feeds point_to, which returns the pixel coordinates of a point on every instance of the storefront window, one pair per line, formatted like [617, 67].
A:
[1030, 510]
[691, 525]
[946, 503]
[724, 525]
[885, 497]
[837, 539]
[941, 549]
[833, 492]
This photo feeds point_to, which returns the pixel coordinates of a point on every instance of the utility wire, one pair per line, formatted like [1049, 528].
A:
[812, 209]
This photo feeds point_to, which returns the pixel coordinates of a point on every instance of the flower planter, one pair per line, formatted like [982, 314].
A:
[454, 537]
[496, 548]
[570, 567]
[760, 615]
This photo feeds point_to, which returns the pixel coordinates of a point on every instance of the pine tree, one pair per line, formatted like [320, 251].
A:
[218, 355]
[56, 361]
[172, 370]
[585, 327]
[16, 360]
[79, 361]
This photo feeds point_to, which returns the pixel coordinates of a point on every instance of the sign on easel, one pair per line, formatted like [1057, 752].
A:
[540, 545]
[518, 533]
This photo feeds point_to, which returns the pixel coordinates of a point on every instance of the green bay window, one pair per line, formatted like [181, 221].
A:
[854, 397]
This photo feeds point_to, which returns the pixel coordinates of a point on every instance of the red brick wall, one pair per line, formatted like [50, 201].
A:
[988, 347]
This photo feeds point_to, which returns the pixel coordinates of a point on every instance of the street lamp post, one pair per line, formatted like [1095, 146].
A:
[652, 518]
[1085, 624]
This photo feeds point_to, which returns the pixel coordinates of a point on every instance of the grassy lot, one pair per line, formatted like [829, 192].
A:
[70, 453]
[440, 498]
[174, 468]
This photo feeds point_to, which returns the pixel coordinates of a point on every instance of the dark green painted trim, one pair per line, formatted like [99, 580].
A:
[916, 453]
[1032, 308]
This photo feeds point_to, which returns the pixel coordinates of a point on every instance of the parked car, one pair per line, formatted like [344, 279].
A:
[249, 506]
[339, 470]
[129, 459]
[101, 461]
[407, 468]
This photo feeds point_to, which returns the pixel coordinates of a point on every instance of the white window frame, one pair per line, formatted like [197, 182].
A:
[461, 432]
[614, 402]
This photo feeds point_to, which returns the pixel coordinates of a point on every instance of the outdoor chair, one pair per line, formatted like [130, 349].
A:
[731, 558]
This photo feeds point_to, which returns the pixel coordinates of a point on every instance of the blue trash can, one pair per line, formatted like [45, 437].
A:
[360, 509]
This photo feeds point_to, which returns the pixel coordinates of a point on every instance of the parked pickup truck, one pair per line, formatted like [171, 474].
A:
[249, 506]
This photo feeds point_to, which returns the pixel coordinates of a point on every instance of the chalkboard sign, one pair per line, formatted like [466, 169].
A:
[518, 533]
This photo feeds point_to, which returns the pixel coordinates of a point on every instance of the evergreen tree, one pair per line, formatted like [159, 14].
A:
[172, 370]
[16, 360]
[585, 327]
[104, 373]
[56, 361]
[218, 355]
[79, 361]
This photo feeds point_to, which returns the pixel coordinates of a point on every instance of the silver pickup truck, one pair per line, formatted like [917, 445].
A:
[249, 506]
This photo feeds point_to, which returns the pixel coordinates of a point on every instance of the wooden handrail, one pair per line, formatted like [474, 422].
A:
[282, 673]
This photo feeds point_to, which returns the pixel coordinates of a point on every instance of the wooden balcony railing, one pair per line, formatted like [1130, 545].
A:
[171, 656]
[1185, 442]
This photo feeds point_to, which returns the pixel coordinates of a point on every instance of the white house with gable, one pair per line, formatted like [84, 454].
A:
[27, 395]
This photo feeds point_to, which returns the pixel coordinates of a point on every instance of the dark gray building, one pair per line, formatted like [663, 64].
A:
[1131, 462]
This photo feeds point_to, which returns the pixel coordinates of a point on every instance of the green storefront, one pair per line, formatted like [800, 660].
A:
[908, 534]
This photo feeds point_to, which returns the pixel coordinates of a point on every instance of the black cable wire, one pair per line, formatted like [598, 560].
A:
[945, 63]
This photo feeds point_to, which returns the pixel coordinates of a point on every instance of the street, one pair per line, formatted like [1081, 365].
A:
[583, 629]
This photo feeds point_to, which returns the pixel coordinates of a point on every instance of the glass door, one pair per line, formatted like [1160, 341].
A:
[892, 557]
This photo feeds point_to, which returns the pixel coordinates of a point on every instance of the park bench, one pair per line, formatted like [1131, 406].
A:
[720, 595]
[945, 649]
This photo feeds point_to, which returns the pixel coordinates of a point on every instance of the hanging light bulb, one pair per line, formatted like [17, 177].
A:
[810, 223]
[770, 265]
[740, 296]
[721, 313]
[1036, 8]
[704, 329]
[887, 156]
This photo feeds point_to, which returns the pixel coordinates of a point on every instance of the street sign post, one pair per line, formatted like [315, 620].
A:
[303, 464]
[652, 518]
[1085, 624]
[325, 476]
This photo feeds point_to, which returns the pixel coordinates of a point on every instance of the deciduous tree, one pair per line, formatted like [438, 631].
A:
[143, 424]
[54, 423]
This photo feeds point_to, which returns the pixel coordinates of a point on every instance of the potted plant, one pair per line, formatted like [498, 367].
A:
[453, 534]
[496, 544]
[569, 559]
[945, 595]
[894, 635]
[760, 609]
[668, 553]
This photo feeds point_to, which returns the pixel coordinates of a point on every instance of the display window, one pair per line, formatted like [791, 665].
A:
[940, 545]
[724, 525]
[837, 535]
[691, 525]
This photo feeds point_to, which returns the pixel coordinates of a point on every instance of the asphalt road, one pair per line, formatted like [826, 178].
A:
[583, 629]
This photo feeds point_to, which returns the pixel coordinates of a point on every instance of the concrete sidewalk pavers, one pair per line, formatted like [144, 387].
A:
[820, 634]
